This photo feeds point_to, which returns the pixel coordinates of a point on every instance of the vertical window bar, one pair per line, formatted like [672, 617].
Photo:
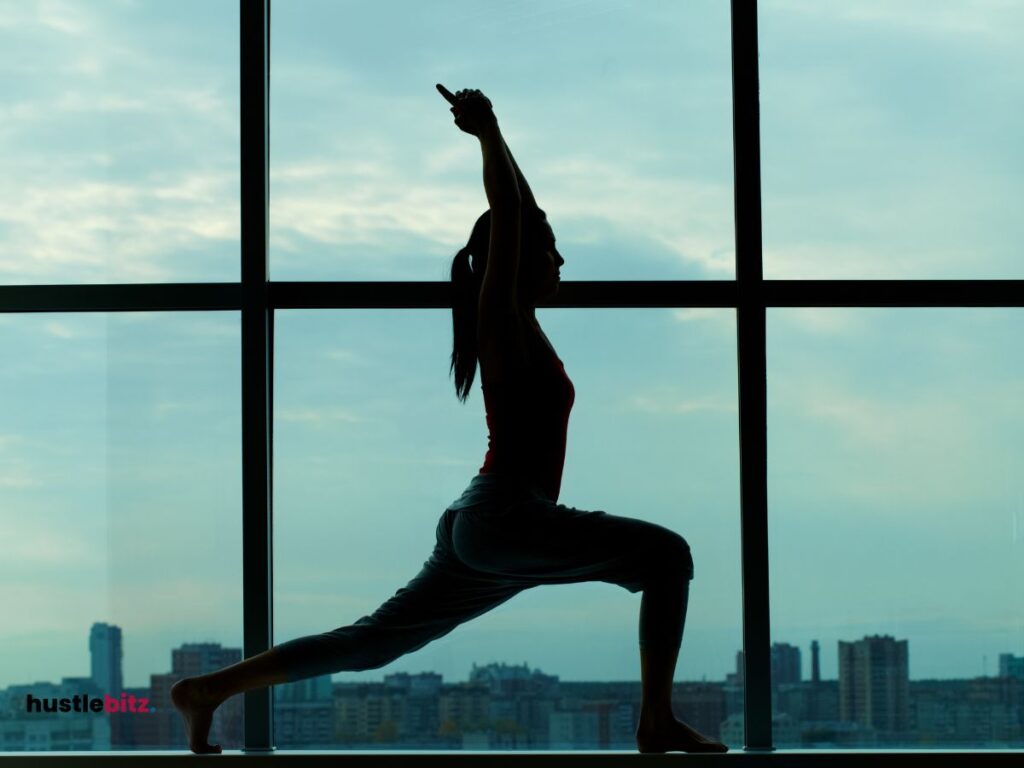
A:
[750, 323]
[256, 407]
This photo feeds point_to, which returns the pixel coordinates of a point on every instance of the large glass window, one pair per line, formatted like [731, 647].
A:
[618, 115]
[371, 445]
[119, 131]
[890, 139]
[120, 517]
[896, 526]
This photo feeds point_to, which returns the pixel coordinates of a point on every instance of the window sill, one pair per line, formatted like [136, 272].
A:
[836, 758]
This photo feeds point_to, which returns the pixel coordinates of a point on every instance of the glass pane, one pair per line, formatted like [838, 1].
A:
[620, 116]
[896, 522]
[371, 447]
[120, 142]
[120, 517]
[890, 139]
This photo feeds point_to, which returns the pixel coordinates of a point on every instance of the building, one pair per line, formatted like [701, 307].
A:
[874, 684]
[785, 664]
[45, 731]
[1011, 666]
[982, 712]
[462, 711]
[809, 702]
[304, 713]
[105, 654]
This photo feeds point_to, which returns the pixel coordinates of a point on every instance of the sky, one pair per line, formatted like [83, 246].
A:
[890, 149]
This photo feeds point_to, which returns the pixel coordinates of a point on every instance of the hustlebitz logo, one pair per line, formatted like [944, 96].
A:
[85, 703]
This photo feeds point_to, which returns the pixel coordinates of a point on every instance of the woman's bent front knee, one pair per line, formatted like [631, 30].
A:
[671, 558]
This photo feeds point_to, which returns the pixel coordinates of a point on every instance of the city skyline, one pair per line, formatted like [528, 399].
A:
[106, 662]
[510, 706]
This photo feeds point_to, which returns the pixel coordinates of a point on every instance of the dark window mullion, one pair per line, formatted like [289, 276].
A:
[750, 328]
[256, 407]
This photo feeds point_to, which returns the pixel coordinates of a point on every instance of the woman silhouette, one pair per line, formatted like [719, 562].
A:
[506, 532]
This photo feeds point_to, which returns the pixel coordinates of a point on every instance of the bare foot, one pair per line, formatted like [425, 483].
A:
[673, 735]
[196, 705]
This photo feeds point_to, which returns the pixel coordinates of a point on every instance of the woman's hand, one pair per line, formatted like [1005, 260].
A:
[472, 110]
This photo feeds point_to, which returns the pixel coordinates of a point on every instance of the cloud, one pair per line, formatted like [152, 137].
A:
[51, 15]
[721, 320]
[348, 357]
[30, 545]
[682, 406]
[316, 417]
[60, 330]
[17, 479]
[58, 228]
[10, 438]
[690, 218]
[817, 321]
[363, 199]
[979, 22]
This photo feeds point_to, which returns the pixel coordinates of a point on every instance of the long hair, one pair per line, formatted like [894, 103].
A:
[467, 276]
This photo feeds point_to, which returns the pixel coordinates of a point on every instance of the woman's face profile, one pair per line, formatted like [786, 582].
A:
[548, 265]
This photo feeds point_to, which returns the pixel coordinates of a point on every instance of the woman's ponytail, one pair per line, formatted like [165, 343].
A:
[465, 298]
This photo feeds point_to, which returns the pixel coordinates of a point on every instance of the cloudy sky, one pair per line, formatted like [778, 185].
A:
[890, 146]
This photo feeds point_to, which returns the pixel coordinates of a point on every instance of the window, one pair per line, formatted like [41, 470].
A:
[371, 445]
[890, 139]
[120, 510]
[120, 142]
[370, 179]
[895, 504]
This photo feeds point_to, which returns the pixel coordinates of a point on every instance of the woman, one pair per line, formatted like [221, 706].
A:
[506, 532]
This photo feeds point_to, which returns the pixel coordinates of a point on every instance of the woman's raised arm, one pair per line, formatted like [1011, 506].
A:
[524, 189]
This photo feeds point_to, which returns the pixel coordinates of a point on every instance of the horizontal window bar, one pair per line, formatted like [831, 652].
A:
[120, 298]
[420, 295]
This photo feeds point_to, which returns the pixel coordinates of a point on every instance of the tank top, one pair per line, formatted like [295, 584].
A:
[528, 419]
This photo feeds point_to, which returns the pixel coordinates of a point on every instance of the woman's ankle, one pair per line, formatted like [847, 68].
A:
[208, 690]
[655, 715]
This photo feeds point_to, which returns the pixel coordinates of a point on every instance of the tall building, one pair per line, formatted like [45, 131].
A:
[105, 655]
[1011, 666]
[815, 662]
[785, 664]
[874, 683]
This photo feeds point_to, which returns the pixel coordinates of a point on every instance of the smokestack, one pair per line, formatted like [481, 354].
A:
[815, 667]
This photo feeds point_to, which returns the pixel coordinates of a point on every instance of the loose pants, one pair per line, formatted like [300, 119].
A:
[499, 537]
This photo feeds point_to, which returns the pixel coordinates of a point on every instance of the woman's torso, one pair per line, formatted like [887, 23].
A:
[528, 397]
[501, 355]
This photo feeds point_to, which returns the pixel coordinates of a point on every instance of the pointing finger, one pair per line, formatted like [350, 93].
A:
[446, 93]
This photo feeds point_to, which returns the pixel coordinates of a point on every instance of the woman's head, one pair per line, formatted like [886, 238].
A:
[539, 262]
[538, 257]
